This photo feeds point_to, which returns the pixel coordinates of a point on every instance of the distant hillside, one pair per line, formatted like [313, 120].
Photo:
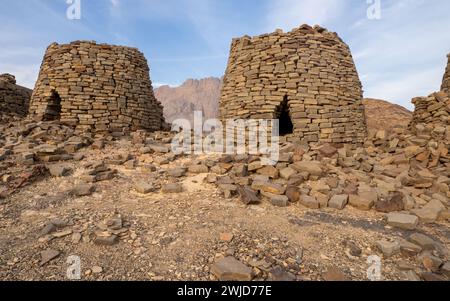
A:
[203, 95]
[192, 95]
[381, 114]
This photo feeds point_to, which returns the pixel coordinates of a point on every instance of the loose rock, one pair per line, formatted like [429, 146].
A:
[403, 221]
[230, 269]
[48, 255]
[172, 188]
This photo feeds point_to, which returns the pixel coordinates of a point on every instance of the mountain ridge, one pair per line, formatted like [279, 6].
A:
[192, 95]
[203, 95]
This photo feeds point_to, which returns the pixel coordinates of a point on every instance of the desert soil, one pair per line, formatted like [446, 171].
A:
[179, 236]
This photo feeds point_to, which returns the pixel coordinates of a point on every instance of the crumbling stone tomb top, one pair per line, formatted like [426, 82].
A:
[13, 98]
[446, 81]
[434, 110]
[96, 87]
[306, 78]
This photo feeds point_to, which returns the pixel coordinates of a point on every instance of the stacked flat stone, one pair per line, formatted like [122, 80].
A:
[13, 98]
[312, 69]
[446, 82]
[96, 87]
[432, 110]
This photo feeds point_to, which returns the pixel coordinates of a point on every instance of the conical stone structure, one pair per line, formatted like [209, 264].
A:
[306, 78]
[446, 81]
[434, 110]
[96, 87]
[13, 98]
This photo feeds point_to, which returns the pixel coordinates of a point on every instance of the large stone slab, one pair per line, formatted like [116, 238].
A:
[230, 269]
[402, 221]
[313, 168]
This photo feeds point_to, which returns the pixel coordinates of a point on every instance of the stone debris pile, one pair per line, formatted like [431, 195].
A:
[402, 176]
[395, 172]
[31, 150]
[28, 143]
[330, 169]
[109, 231]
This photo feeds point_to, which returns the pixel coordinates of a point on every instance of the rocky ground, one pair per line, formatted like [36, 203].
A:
[132, 210]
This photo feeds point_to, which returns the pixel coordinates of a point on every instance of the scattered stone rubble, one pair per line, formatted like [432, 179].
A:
[403, 175]
[399, 174]
[399, 178]
[109, 231]
[29, 150]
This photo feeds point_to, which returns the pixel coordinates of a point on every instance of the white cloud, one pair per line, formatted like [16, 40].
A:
[115, 3]
[115, 10]
[158, 85]
[26, 75]
[362, 54]
[403, 55]
[398, 57]
[288, 14]
[403, 88]
[19, 52]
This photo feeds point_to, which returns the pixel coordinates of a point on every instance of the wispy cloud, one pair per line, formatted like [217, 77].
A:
[288, 14]
[401, 89]
[115, 3]
[19, 52]
[28, 27]
[400, 56]
[26, 74]
[159, 85]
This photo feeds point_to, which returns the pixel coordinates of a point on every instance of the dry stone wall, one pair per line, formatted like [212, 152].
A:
[446, 82]
[434, 110]
[308, 73]
[13, 98]
[96, 87]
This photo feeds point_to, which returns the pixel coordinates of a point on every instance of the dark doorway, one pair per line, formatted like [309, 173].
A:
[53, 110]
[286, 125]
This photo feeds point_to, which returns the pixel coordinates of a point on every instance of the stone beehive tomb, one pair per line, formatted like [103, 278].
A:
[13, 98]
[96, 87]
[446, 81]
[434, 110]
[306, 78]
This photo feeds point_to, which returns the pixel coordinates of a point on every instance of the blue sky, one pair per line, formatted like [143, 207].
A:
[398, 57]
